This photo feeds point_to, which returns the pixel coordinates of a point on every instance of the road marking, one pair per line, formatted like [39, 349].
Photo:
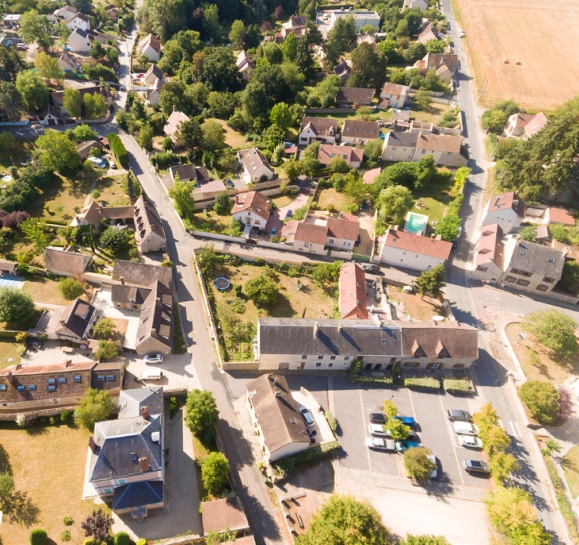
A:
[365, 429]
[453, 438]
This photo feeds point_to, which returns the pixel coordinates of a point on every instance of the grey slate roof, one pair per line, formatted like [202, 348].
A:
[76, 316]
[138, 494]
[334, 337]
[131, 401]
[129, 294]
[141, 274]
[538, 259]
[402, 139]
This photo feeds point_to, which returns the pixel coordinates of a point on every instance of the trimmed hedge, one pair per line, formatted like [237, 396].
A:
[122, 538]
[287, 465]
[355, 374]
[118, 148]
[456, 385]
[179, 344]
[422, 382]
[38, 537]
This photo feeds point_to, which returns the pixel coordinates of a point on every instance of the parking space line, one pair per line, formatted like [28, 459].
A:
[365, 430]
[454, 441]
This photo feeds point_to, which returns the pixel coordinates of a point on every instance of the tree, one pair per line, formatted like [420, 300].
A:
[200, 411]
[82, 133]
[107, 350]
[49, 68]
[97, 51]
[34, 28]
[215, 473]
[494, 121]
[98, 526]
[528, 234]
[190, 133]
[414, 52]
[10, 107]
[431, 282]
[486, 419]
[10, 63]
[38, 536]
[94, 406]
[502, 466]
[213, 136]
[95, 106]
[35, 232]
[424, 540]
[449, 227]
[368, 67]
[104, 328]
[542, 399]
[394, 202]
[292, 169]
[7, 141]
[554, 330]
[398, 430]
[417, 464]
[289, 47]
[57, 152]
[496, 440]
[172, 95]
[182, 195]
[237, 34]
[122, 538]
[32, 89]
[345, 520]
[281, 115]
[422, 101]
[222, 204]
[146, 137]
[390, 409]
[373, 152]
[115, 240]
[325, 272]
[435, 46]
[70, 288]
[113, 54]
[220, 73]
[262, 290]
[340, 37]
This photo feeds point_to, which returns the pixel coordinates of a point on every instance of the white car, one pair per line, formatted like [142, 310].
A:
[465, 428]
[434, 472]
[380, 443]
[461, 33]
[469, 441]
[153, 358]
[377, 430]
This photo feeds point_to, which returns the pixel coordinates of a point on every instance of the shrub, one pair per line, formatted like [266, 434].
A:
[287, 465]
[215, 473]
[68, 521]
[142, 541]
[21, 337]
[542, 399]
[114, 240]
[107, 350]
[332, 422]
[38, 537]
[95, 194]
[70, 288]
[65, 535]
[422, 382]
[66, 417]
[456, 384]
[122, 538]
[119, 150]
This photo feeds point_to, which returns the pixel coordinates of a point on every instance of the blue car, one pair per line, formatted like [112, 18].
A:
[406, 420]
[289, 214]
[273, 232]
[229, 183]
[402, 446]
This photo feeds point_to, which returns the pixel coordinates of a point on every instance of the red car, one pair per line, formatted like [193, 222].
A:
[21, 47]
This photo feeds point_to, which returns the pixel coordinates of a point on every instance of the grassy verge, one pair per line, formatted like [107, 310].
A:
[571, 470]
[287, 465]
[179, 344]
[10, 353]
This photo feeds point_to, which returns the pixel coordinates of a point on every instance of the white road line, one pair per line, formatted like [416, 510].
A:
[364, 420]
[454, 440]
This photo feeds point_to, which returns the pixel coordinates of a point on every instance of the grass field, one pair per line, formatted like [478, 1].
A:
[10, 353]
[434, 198]
[416, 307]
[232, 138]
[331, 196]
[537, 362]
[536, 34]
[48, 465]
[434, 114]
[571, 470]
[44, 290]
[111, 191]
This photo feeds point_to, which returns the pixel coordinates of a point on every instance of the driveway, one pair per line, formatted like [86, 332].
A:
[276, 219]
[53, 354]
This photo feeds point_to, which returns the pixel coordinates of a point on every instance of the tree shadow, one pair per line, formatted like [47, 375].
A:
[5, 466]
[19, 509]
[37, 429]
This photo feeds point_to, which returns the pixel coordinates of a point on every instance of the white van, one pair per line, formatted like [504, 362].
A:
[152, 374]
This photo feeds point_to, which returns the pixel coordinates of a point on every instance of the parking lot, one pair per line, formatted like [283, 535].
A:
[354, 402]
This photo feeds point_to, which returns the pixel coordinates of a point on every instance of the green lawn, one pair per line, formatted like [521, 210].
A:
[111, 191]
[10, 353]
[434, 198]
[283, 200]
[571, 470]
[233, 138]
[338, 200]
[210, 221]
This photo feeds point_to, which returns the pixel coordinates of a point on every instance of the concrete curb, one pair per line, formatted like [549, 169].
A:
[512, 353]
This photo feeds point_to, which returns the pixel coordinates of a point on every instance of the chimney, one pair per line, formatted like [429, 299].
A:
[153, 331]
[340, 327]
[122, 279]
[144, 464]
[9, 376]
[316, 329]
[61, 322]
[145, 411]
[92, 445]
[174, 108]
[67, 363]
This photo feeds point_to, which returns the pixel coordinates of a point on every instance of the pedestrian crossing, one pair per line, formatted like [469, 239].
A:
[490, 303]
[512, 428]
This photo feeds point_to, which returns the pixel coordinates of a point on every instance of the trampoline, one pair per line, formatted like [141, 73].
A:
[221, 283]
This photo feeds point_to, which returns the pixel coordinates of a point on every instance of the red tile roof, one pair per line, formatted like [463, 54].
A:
[254, 202]
[507, 200]
[310, 232]
[560, 215]
[345, 228]
[490, 246]
[328, 152]
[418, 244]
[353, 300]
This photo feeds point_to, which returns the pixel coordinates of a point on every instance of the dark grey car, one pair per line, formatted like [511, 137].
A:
[458, 415]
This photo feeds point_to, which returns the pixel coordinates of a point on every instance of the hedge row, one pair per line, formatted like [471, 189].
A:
[422, 382]
[179, 345]
[355, 374]
[456, 385]
[118, 148]
[287, 465]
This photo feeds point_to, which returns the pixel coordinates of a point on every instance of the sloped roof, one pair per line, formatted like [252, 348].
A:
[58, 259]
[147, 219]
[370, 175]
[141, 274]
[137, 494]
[402, 139]
[560, 215]
[276, 412]
[154, 70]
[131, 402]
[348, 153]
[8, 266]
[156, 319]
[223, 514]
[347, 229]
[362, 129]
[253, 159]
[69, 59]
[538, 259]
[312, 233]
[129, 294]
[252, 201]
[490, 247]
[190, 172]
[149, 40]
[502, 201]
[172, 124]
[357, 95]
[439, 142]
[395, 89]
[76, 317]
[320, 125]
[536, 124]
[353, 300]
[83, 149]
[435, 339]
[418, 244]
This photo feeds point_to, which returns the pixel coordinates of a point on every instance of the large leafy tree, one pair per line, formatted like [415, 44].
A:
[72, 101]
[215, 473]
[394, 202]
[95, 106]
[368, 67]
[173, 96]
[262, 290]
[554, 330]
[220, 73]
[201, 411]
[34, 28]
[213, 136]
[166, 18]
[32, 89]
[94, 406]
[449, 227]
[57, 152]
[190, 133]
[417, 463]
[346, 521]
[542, 399]
[10, 107]
[10, 63]
[431, 282]
[340, 38]
[16, 307]
[182, 195]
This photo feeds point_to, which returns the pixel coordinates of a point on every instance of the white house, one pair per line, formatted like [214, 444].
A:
[68, 62]
[65, 12]
[79, 41]
[506, 209]
[357, 132]
[79, 20]
[396, 94]
[171, 128]
[352, 156]
[525, 126]
[252, 208]
[489, 261]
[280, 428]
[361, 17]
[410, 251]
[150, 46]
[255, 166]
[422, 5]
[318, 129]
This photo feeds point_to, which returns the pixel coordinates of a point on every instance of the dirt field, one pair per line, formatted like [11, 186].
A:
[541, 35]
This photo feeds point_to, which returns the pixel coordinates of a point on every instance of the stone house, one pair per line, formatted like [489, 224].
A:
[149, 232]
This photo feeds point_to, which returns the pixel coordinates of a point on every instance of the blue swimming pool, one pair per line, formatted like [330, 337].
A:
[8, 283]
[416, 223]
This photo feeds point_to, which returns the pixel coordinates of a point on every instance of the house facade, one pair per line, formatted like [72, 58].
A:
[280, 428]
[296, 24]
[352, 156]
[150, 46]
[318, 129]
[489, 261]
[149, 232]
[416, 252]
[245, 65]
[505, 209]
[79, 41]
[395, 94]
[255, 166]
[252, 208]
[78, 20]
[359, 132]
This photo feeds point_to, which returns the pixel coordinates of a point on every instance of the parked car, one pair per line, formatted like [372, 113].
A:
[380, 443]
[229, 183]
[434, 472]
[469, 441]
[465, 428]
[273, 232]
[458, 415]
[378, 418]
[406, 420]
[287, 144]
[377, 430]
[454, 246]
[402, 446]
[461, 33]
[153, 358]
[289, 214]
[476, 466]
[372, 269]
[307, 416]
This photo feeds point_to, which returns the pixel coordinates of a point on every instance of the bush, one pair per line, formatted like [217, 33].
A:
[66, 418]
[95, 194]
[122, 538]
[287, 465]
[107, 350]
[115, 240]
[142, 541]
[332, 422]
[68, 521]
[215, 473]
[65, 535]
[422, 382]
[38, 537]
[456, 385]
[179, 344]
[542, 399]
[119, 150]
[70, 288]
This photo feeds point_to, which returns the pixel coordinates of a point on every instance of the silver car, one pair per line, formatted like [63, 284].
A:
[380, 443]
[153, 358]
[469, 441]
[465, 428]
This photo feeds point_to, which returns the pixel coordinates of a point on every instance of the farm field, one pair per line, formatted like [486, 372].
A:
[537, 34]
